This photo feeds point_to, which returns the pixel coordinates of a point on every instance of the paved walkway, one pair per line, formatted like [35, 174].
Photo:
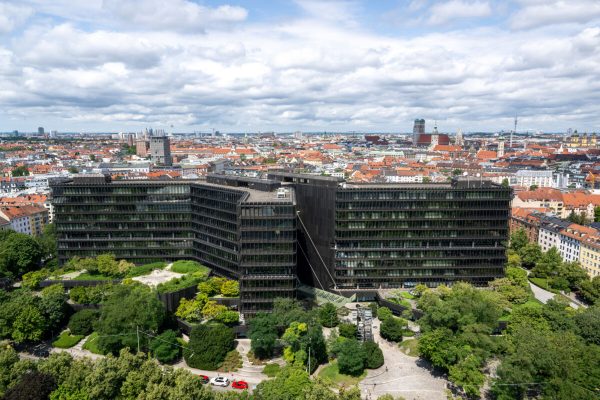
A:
[401, 375]
[543, 295]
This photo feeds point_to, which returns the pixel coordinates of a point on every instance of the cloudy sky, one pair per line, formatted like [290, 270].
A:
[312, 65]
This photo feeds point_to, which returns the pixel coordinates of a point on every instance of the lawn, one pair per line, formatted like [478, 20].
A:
[92, 344]
[331, 375]
[410, 347]
[66, 340]
[186, 266]
[145, 269]
[233, 361]
[407, 295]
[543, 283]
[86, 276]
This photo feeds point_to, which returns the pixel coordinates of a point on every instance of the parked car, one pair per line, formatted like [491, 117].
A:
[203, 378]
[219, 381]
[239, 385]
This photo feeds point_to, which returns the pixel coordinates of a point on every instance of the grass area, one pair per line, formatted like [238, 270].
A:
[271, 370]
[410, 347]
[407, 295]
[86, 276]
[408, 333]
[145, 269]
[92, 344]
[331, 376]
[543, 283]
[532, 302]
[66, 340]
[233, 361]
[403, 302]
[187, 266]
[183, 282]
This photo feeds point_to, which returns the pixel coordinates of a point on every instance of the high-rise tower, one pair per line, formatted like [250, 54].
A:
[160, 149]
[418, 129]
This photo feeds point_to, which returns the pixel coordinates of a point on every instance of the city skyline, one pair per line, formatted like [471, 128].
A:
[257, 66]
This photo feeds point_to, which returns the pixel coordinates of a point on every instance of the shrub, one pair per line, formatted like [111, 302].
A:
[351, 358]
[82, 322]
[328, 315]
[230, 288]
[90, 294]
[145, 269]
[33, 279]
[391, 329]
[183, 282]
[384, 313]
[271, 370]
[208, 346]
[373, 355]
[347, 330]
[165, 347]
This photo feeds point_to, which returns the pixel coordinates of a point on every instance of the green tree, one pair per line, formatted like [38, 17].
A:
[53, 305]
[531, 254]
[518, 239]
[208, 346]
[263, 335]
[82, 322]
[590, 290]
[348, 330]
[517, 276]
[513, 293]
[351, 358]
[597, 214]
[191, 310]
[19, 253]
[32, 280]
[328, 315]
[391, 329]
[21, 170]
[73, 170]
[573, 274]
[549, 264]
[373, 355]
[33, 385]
[165, 346]
[127, 309]
[28, 325]
[8, 358]
[588, 324]
[384, 313]
[289, 384]
[467, 374]
[533, 187]
[505, 182]
[48, 242]
[514, 260]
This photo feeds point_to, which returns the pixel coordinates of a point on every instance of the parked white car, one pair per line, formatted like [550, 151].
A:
[219, 381]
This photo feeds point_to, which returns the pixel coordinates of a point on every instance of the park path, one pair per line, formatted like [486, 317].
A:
[401, 375]
[544, 295]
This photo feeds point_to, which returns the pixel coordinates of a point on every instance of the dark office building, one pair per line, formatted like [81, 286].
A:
[348, 238]
[363, 237]
[241, 228]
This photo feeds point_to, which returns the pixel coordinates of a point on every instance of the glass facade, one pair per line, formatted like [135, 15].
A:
[396, 236]
[144, 221]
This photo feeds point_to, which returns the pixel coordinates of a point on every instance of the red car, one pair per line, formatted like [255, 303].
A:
[239, 385]
[203, 378]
